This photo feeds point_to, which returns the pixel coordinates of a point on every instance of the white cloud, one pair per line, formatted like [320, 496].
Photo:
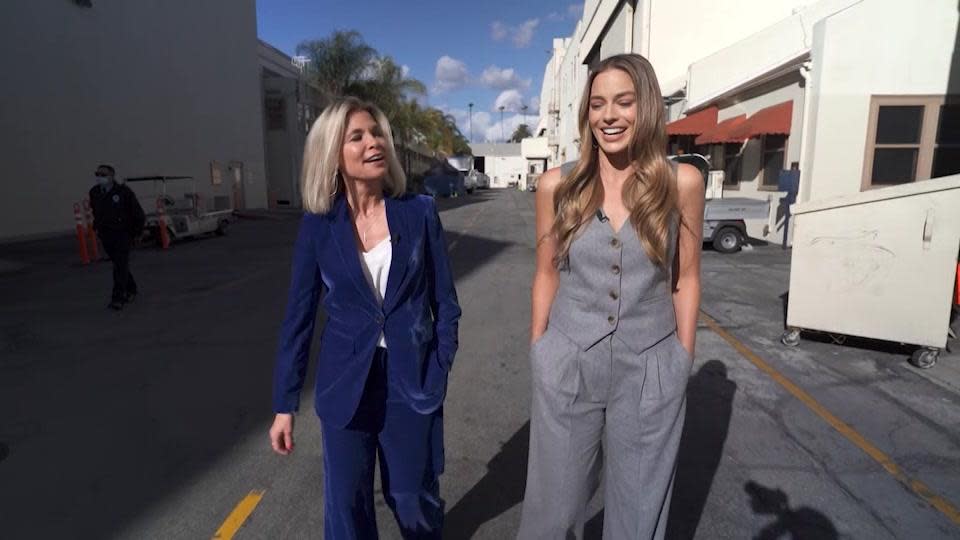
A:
[511, 101]
[481, 122]
[520, 35]
[524, 33]
[450, 74]
[486, 126]
[498, 31]
[573, 12]
[534, 106]
[503, 79]
[495, 134]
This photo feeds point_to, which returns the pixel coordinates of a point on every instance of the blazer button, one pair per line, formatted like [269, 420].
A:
[614, 295]
[610, 319]
[379, 320]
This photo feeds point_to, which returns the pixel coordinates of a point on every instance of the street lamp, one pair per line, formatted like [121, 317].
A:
[470, 105]
[502, 136]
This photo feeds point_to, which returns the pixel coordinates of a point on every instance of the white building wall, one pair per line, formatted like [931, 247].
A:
[614, 40]
[505, 170]
[673, 37]
[146, 86]
[909, 53]
[573, 74]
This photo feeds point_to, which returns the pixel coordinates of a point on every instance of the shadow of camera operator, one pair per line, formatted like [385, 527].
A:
[797, 524]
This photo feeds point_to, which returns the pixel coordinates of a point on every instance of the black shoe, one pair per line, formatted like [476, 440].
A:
[115, 305]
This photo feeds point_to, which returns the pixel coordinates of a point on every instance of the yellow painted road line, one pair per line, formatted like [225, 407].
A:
[916, 486]
[240, 514]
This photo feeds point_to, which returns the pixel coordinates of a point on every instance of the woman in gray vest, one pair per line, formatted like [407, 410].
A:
[614, 315]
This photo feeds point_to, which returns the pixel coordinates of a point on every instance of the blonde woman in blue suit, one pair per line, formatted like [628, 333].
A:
[376, 258]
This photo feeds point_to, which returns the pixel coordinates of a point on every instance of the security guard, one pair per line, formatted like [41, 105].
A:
[118, 220]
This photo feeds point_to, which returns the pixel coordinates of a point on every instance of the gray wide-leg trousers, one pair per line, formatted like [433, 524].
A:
[607, 409]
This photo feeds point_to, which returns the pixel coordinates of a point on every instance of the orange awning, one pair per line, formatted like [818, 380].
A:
[773, 120]
[721, 132]
[694, 124]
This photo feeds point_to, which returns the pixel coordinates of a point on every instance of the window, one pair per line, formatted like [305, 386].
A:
[946, 152]
[774, 147]
[731, 164]
[911, 138]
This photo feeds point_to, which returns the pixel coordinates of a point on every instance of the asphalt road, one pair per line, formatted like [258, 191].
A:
[152, 422]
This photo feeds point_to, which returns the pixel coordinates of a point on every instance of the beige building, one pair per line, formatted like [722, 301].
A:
[856, 92]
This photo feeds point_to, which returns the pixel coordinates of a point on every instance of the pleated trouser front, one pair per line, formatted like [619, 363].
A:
[605, 409]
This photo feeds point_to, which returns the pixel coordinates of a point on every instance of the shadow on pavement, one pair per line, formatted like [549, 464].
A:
[105, 416]
[710, 394]
[498, 491]
[479, 196]
[803, 522]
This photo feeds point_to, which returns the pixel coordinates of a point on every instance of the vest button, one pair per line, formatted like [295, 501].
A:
[615, 243]
[614, 295]
[611, 319]
[615, 269]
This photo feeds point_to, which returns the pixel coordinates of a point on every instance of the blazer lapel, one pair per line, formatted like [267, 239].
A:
[344, 237]
[396, 220]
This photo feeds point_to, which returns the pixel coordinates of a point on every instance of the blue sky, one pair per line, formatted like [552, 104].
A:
[490, 53]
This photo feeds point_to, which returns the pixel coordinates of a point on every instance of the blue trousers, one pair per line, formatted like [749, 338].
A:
[410, 450]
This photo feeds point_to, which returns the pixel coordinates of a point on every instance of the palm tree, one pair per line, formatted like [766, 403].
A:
[522, 132]
[337, 62]
[343, 64]
[387, 86]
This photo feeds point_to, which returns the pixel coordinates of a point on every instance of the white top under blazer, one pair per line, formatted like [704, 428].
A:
[376, 268]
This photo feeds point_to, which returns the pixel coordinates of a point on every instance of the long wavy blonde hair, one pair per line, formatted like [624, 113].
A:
[650, 193]
[321, 180]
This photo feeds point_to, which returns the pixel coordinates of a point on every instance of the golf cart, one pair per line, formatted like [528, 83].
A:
[185, 212]
[724, 223]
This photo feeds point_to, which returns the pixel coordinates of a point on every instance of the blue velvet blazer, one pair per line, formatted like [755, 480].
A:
[419, 316]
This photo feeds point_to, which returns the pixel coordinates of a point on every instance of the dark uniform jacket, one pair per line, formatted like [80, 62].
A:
[116, 210]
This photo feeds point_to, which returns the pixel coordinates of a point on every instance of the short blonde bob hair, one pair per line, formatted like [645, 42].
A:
[321, 179]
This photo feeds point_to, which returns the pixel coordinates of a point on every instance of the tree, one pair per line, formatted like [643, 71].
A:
[522, 132]
[343, 64]
[337, 62]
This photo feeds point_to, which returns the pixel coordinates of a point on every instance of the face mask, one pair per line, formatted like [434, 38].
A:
[103, 180]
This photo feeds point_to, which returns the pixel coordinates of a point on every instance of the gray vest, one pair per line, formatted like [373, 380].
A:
[611, 286]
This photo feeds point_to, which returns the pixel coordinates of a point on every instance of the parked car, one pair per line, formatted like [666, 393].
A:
[483, 181]
[470, 182]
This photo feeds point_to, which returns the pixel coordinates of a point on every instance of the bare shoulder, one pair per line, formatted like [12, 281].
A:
[690, 185]
[550, 180]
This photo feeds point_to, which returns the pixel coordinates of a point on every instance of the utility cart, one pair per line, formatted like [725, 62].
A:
[724, 224]
[184, 211]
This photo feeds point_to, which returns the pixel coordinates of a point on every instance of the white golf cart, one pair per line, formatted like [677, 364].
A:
[186, 212]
